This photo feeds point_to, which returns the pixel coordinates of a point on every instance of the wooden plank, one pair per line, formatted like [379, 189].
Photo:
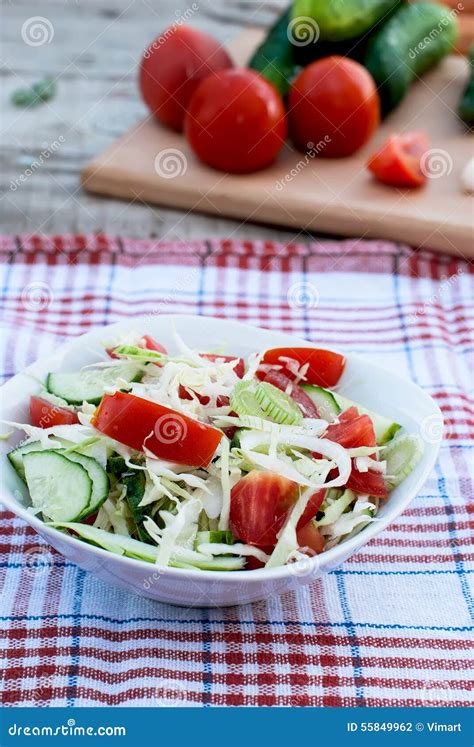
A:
[328, 195]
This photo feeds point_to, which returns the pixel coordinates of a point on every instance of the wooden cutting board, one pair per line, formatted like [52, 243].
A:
[335, 196]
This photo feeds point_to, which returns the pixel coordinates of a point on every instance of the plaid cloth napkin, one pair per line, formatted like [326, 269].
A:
[391, 627]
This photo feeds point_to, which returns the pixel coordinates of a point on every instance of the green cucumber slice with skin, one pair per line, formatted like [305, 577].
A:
[132, 548]
[219, 536]
[324, 400]
[277, 405]
[384, 428]
[141, 354]
[244, 402]
[89, 384]
[59, 487]
[336, 509]
[402, 456]
[15, 456]
[99, 477]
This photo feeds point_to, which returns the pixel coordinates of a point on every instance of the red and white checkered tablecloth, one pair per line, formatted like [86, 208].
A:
[393, 626]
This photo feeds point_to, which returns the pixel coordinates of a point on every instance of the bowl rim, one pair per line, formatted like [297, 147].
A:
[331, 557]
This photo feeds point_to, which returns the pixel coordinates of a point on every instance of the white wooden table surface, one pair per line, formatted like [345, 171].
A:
[92, 49]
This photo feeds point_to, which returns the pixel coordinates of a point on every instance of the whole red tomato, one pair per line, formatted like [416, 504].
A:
[334, 107]
[172, 67]
[236, 121]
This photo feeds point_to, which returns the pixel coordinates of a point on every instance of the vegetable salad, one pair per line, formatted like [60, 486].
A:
[206, 460]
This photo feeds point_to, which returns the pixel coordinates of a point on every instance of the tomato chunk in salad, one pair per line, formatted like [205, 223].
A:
[321, 367]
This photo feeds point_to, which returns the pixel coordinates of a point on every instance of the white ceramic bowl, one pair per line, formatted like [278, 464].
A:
[378, 389]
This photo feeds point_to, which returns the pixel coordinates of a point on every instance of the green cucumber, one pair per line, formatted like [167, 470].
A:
[243, 400]
[466, 104]
[59, 487]
[335, 509]
[338, 20]
[89, 384]
[414, 39]
[16, 455]
[98, 475]
[274, 58]
[402, 456]
[132, 548]
[384, 428]
[325, 401]
[277, 405]
[220, 536]
[136, 353]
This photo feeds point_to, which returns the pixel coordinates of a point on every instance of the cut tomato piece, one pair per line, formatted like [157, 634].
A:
[352, 431]
[239, 368]
[167, 434]
[324, 366]
[309, 536]
[258, 505]
[312, 507]
[285, 384]
[367, 483]
[45, 414]
[398, 162]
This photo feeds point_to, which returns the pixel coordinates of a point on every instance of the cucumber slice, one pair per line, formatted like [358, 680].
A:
[402, 455]
[277, 405]
[219, 536]
[60, 488]
[89, 384]
[139, 354]
[15, 456]
[99, 477]
[384, 428]
[132, 548]
[243, 400]
[325, 401]
[336, 509]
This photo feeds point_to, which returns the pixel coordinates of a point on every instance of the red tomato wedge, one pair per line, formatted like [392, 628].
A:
[370, 483]
[399, 160]
[260, 502]
[45, 414]
[146, 342]
[352, 431]
[168, 434]
[309, 536]
[285, 384]
[258, 506]
[324, 366]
